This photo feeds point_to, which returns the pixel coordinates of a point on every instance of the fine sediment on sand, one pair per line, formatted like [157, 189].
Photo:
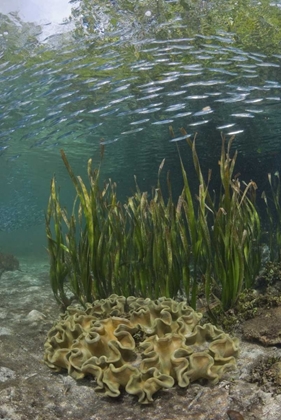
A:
[29, 390]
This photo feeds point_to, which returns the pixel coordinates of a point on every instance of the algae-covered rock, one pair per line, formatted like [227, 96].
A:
[8, 262]
[139, 345]
[265, 327]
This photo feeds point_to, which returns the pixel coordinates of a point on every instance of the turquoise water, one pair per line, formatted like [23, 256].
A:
[97, 73]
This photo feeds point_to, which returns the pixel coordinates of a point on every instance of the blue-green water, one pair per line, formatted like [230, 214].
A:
[120, 76]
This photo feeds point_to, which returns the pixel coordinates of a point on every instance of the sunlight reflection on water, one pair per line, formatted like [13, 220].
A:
[50, 14]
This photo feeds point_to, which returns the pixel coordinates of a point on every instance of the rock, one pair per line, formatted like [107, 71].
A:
[234, 415]
[3, 313]
[6, 374]
[35, 315]
[8, 262]
[5, 331]
[265, 327]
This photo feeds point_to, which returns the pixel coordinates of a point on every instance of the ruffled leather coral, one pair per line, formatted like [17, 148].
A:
[138, 345]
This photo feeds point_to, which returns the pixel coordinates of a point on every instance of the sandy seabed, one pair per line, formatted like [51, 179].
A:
[30, 391]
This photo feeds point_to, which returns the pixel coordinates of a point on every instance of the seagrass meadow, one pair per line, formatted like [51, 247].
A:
[206, 244]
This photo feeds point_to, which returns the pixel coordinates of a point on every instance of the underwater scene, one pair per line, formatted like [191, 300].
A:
[140, 209]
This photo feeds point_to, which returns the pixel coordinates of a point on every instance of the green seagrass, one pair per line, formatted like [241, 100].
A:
[209, 240]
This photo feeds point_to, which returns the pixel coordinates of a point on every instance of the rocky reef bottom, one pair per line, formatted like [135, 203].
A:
[30, 390]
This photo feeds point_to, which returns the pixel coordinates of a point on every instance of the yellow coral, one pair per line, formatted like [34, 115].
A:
[139, 345]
